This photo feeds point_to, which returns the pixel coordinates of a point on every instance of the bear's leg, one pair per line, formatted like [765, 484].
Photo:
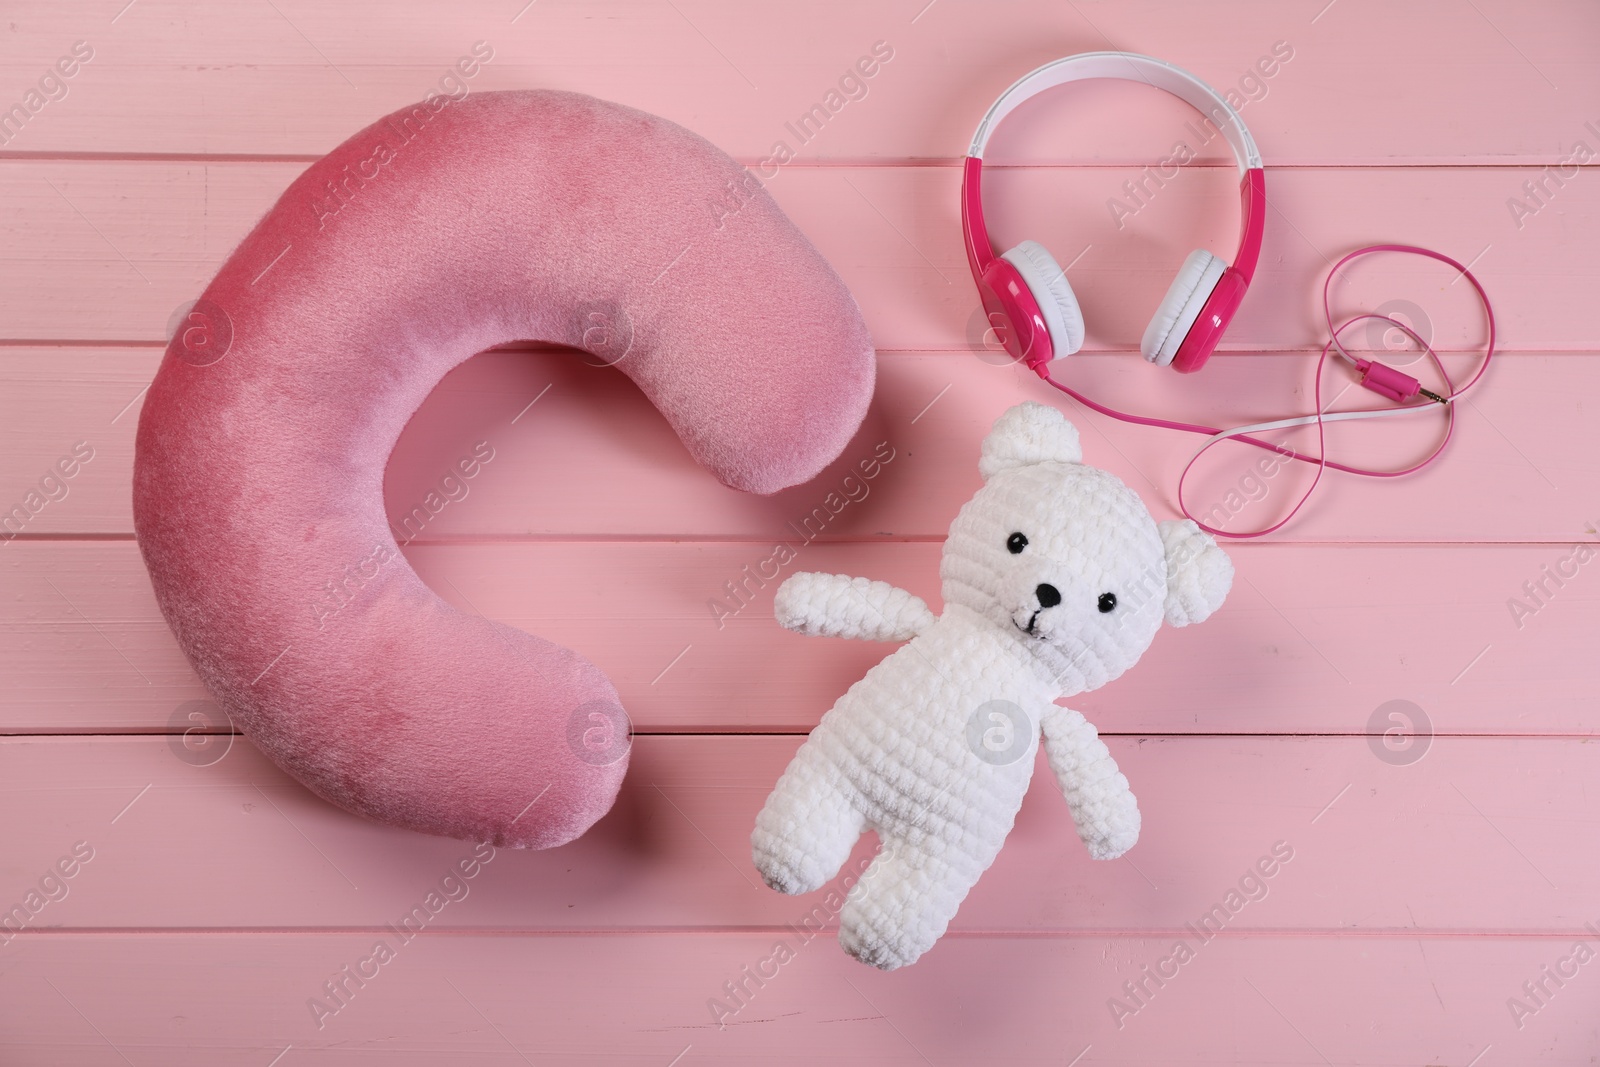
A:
[808, 826]
[903, 903]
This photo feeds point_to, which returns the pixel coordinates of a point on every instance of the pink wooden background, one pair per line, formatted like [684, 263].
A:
[1423, 893]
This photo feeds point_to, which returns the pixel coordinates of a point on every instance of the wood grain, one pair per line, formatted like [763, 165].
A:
[1367, 845]
[1312, 640]
[1490, 83]
[574, 465]
[116, 248]
[1263, 1001]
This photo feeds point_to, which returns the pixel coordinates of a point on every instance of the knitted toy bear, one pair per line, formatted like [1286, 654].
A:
[1055, 579]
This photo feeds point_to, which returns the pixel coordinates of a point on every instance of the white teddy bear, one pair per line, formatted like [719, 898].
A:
[1055, 579]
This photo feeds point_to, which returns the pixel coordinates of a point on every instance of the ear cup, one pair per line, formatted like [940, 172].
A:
[1048, 283]
[1183, 303]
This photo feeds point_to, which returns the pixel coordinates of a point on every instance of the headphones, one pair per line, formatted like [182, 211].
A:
[1026, 292]
[1037, 317]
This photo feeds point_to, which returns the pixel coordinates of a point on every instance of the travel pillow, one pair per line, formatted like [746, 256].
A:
[437, 232]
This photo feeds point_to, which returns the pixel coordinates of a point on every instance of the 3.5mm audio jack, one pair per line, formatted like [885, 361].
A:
[1386, 381]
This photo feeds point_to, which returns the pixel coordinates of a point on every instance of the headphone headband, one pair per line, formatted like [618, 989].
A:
[1124, 66]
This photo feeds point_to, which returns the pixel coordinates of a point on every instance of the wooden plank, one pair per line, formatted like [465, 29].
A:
[296, 78]
[108, 251]
[1313, 639]
[579, 462]
[1355, 843]
[241, 999]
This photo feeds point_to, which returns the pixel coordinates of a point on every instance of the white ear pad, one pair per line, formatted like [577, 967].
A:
[1190, 290]
[1048, 283]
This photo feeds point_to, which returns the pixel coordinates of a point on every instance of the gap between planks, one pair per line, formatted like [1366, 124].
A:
[1374, 933]
[68, 735]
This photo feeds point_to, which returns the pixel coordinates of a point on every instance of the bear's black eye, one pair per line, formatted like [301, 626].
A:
[1016, 543]
[1108, 602]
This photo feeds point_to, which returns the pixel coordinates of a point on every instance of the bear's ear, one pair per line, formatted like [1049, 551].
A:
[1199, 574]
[1029, 433]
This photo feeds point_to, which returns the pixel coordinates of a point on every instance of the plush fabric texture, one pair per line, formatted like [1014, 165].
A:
[435, 233]
[837, 605]
[1055, 580]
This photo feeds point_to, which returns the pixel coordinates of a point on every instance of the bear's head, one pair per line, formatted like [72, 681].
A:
[1067, 559]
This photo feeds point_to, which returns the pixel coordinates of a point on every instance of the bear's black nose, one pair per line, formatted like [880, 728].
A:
[1049, 596]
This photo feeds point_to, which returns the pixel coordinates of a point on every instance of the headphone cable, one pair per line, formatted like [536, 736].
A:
[1378, 377]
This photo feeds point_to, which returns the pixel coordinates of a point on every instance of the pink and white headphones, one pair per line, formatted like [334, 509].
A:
[1036, 315]
[1027, 294]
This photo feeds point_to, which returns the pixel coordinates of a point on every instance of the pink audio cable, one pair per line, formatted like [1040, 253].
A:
[1378, 377]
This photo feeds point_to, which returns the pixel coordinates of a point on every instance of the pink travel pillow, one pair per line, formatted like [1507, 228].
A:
[437, 232]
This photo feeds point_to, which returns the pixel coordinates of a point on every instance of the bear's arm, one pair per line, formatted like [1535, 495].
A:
[1103, 807]
[837, 605]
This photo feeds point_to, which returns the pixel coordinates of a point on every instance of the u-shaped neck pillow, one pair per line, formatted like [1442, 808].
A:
[435, 233]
